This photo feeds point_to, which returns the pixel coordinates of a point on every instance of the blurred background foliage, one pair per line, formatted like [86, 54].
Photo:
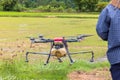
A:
[53, 5]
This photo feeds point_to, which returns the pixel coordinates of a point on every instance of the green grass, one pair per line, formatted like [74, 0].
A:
[46, 15]
[18, 28]
[19, 70]
[12, 28]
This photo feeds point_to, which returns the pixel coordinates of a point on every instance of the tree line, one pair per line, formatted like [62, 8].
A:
[53, 5]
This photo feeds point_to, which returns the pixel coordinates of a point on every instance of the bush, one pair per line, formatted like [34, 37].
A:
[53, 9]
[8, 5]
[1, 8]
[59, 9]
[19, 7]
[70, 10]
[101, 5]
[43, 8]
[40, 8]
[48, 8]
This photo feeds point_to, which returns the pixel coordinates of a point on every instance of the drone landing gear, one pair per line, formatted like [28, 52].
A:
[34, 53]
[49, 55]
[71, 61]
[60, 60]
[82, 52]
[49, 58]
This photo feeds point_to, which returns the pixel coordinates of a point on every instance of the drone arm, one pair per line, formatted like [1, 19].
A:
[72, 40]
[42, 40]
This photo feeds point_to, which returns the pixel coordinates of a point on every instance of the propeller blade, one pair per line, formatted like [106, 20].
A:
[83, 36]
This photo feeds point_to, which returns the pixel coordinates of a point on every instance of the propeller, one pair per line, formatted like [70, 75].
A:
[79, 36]
[82, 36]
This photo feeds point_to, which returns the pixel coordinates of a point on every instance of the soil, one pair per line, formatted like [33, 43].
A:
[99, 74]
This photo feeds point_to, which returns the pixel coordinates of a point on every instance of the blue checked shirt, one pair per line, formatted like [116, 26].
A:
[108, 28]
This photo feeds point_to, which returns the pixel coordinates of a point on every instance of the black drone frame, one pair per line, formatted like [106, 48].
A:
[66, 47]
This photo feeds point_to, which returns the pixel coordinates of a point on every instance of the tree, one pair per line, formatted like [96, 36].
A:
[8, 5]
[86, 5]
[91, 5]
[80, 4]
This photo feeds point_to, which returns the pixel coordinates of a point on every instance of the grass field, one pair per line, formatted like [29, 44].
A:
[49, 15]
[14, 31]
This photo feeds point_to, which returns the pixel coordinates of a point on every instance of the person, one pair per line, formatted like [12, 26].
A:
[108, 29]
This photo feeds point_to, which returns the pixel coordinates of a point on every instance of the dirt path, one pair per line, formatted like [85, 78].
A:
[100, 74]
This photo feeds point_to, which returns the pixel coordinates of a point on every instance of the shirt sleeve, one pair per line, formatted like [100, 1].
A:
[103, 24]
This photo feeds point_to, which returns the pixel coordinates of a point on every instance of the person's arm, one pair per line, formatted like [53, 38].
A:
[103, 24]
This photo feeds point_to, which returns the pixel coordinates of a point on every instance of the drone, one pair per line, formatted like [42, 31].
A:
[59, 47]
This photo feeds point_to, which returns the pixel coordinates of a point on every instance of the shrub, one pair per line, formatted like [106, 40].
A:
[49, 8]
[57, 9]
[70, 10]
[101, 5]
[43, 8]
[19, 7]
[1, 8]
[8, 5]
